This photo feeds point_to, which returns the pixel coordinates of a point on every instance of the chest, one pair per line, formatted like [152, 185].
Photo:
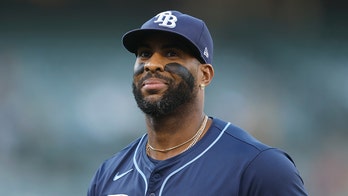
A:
[203, 176]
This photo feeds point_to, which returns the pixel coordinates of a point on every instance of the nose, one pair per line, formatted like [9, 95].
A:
[155, 63]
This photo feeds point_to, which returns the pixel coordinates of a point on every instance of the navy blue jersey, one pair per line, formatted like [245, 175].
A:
[226, 161]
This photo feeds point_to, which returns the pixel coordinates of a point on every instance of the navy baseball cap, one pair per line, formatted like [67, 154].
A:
[190, 28]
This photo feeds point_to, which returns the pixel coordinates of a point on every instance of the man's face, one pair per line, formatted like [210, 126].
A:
[164, 76]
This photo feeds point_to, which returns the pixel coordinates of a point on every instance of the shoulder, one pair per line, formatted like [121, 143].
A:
[237, 137]
[266, 170]
[272, 172]
[238, 145]
[121, 159]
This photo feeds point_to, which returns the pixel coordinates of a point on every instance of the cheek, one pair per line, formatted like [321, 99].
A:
[138, 68]
[178, 69]
[136, 80]
[137, 74]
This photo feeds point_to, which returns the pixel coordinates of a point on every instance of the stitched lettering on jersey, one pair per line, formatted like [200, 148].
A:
[166, 19]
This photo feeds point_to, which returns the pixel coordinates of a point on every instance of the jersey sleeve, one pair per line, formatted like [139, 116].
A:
[92, 188]
[96, 182]
[272, 173]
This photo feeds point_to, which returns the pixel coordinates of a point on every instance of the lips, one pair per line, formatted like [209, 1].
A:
[152, 84]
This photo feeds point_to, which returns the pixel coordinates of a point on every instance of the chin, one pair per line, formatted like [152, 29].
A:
[153, 98]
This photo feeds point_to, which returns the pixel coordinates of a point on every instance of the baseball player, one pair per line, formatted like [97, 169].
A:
[184, 151]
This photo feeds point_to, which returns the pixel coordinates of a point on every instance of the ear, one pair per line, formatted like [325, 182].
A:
[207, 74]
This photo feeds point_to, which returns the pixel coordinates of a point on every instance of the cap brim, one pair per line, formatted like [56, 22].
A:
[132, 39]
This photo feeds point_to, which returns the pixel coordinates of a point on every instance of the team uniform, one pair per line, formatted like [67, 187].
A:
[226, 161]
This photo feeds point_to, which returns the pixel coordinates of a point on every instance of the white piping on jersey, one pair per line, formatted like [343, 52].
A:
[193, 160]
[179, 169]
[136, 164]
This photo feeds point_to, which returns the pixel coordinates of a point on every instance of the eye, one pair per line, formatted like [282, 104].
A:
[172, 53]
[143, 53]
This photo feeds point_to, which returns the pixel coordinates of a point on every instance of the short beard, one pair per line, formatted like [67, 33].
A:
[173, 98]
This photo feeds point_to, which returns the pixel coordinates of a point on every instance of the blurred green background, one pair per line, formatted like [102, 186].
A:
[65, 85]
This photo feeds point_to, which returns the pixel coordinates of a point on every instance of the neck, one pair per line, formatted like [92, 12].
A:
[177, 121]
[172, 130]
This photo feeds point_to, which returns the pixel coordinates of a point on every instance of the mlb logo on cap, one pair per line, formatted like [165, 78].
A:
[166, 19]
[190, 28]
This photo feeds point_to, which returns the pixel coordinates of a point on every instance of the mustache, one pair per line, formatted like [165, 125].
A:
[153, 75]
[174, 68]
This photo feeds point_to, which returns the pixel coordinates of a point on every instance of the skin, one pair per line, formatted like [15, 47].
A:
[161, 65]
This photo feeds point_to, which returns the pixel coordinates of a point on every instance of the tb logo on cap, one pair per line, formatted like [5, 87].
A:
[166, 19]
